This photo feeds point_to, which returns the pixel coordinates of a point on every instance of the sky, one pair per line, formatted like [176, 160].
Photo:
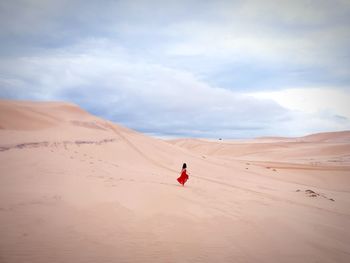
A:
[207, 69]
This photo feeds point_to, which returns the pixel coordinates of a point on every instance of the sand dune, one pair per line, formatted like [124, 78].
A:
[341, 136]
[312, 149]
[77, 188]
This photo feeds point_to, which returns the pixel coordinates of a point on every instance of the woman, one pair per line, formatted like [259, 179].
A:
[184, 177]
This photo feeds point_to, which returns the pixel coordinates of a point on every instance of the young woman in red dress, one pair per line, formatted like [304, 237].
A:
[184, 176]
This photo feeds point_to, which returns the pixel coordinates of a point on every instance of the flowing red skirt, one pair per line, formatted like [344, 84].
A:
[183, 178]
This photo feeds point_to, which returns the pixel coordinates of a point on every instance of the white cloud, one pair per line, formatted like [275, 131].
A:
[138, 94]
[160, 100]
[299, 33]
[311, 109]
[310, 100]
[160, 68]
[231, 42]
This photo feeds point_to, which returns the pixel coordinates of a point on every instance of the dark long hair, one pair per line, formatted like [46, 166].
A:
[184, 166]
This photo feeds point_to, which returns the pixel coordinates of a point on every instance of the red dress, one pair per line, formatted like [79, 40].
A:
[183, 178]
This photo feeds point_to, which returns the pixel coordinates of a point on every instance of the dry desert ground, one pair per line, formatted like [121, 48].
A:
[77, 188]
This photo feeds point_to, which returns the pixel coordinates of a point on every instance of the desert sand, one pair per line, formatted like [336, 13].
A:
[77, 188]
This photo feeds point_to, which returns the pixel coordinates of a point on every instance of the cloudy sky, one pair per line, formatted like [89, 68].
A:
[229, 69]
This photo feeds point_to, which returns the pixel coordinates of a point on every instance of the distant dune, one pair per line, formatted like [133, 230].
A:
[340, 136]
[330, 148]
[77, 188]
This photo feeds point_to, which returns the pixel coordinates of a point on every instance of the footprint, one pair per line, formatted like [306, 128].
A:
[57, 197]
